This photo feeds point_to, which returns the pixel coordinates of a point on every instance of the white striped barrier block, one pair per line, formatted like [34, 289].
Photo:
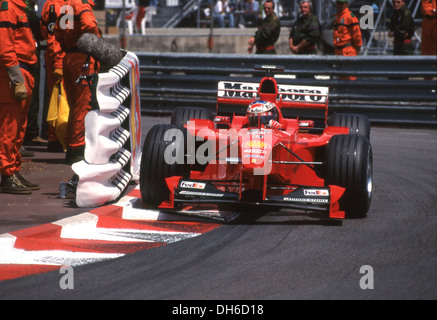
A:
[112, 130]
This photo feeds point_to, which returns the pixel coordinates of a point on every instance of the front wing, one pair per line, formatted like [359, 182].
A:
[187, 191]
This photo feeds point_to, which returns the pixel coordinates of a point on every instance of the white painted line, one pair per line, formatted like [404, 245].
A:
[151, 215]
[7, 242]
[84, 227]
[54, 257]
[127, 201]
[11, 255]
[146, 235]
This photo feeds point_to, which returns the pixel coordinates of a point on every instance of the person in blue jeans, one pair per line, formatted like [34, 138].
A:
[222, 10]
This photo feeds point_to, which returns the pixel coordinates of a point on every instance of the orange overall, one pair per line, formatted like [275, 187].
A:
[429, 27]
[76, 64]
[54, 55]
[17, 47]
[347, 34]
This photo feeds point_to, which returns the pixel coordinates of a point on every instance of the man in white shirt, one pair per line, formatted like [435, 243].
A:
[223, 10]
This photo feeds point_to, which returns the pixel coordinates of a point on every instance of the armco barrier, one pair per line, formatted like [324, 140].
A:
[389, 89]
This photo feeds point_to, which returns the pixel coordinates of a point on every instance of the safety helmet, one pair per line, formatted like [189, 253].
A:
[261, 112]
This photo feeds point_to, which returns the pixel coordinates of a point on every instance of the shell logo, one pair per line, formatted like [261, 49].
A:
[256, 144]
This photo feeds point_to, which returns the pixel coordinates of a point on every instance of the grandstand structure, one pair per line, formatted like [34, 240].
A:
[171, 14]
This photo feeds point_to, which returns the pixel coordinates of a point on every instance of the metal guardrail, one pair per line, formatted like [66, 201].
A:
[388, 89]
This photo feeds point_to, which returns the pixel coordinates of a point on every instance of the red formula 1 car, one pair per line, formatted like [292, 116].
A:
[252, 152]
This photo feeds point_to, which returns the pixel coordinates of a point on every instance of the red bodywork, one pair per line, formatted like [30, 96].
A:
[272, 162]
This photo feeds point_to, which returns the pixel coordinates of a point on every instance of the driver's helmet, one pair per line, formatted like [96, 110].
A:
[261, 112]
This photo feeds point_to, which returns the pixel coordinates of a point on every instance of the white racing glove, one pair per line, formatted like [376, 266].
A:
[273, 124]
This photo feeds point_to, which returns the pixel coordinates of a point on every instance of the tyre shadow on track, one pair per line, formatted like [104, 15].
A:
[256, 216]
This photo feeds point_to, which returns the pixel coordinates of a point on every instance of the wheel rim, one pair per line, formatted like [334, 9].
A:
[369, 175]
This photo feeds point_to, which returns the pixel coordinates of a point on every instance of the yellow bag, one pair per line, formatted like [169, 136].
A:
[58, 112]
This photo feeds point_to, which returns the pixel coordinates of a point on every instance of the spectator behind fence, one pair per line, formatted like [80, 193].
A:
[429, 27]
[268, 31]
[222, 10]
[251, 13]
[401, 28]
[305, 32]
[17, 57]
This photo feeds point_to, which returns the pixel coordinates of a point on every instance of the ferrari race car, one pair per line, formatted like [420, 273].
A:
[262, 147]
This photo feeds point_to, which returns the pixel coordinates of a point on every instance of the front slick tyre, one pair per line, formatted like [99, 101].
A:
[349, 164]
[162, 157]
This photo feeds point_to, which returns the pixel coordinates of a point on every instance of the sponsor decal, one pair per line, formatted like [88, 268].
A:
[238, 90]
[289, 93]
[260, 106]
[306, 200]
[316, 192]
[255, 149]
[202, 194]
[256, 144]
[254, 156]
[192, 185]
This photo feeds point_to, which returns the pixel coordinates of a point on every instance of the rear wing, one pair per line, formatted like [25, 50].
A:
[297, 101]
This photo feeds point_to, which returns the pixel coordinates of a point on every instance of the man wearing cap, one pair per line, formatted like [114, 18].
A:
[347, 33]
[305, 32]
[401, 28]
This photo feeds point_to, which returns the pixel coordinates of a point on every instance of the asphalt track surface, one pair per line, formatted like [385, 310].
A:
[274, 255]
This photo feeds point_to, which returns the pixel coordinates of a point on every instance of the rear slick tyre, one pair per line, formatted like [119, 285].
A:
[357, 123]
[182, 115]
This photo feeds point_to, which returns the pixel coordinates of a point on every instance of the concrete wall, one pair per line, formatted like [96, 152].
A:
[196, 40]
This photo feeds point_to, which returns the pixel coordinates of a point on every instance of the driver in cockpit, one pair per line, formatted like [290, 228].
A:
[263, 113]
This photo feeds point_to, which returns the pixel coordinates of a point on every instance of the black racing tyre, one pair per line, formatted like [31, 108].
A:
[357, 123]
[349, 164]
[182, 115]
[161, 159]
